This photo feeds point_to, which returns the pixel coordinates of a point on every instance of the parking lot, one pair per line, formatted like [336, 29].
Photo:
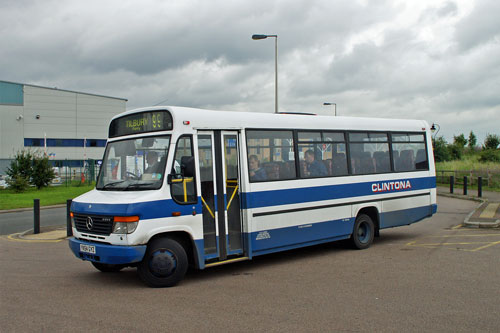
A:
[430, 276]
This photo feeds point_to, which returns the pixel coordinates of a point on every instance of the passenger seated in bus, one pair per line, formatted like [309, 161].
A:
[153, 164]
[313, 167]
[273, 171]
[256, 172]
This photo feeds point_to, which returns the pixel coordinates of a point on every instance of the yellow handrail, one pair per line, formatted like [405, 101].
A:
[208, 208]
[232, 196]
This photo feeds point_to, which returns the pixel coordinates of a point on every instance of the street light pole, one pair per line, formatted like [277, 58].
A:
[335, 107]
[257, 37]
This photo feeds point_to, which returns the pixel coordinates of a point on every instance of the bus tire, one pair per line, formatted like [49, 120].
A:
[363, 233]
[107, 268]
[164, 264]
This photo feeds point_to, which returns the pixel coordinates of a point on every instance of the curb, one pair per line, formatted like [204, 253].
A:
[461, 196]
[480, 224]
[17, 210]
[52, 234]
[467, 222]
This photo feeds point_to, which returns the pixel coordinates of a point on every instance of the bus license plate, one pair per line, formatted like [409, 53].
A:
[87, 248]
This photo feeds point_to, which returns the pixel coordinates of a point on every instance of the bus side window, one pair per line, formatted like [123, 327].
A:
[182, 178]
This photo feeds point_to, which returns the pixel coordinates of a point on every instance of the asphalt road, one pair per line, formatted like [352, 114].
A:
[426, 277]
[22, 221]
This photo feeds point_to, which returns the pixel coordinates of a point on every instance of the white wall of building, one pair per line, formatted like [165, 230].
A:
[56, 114]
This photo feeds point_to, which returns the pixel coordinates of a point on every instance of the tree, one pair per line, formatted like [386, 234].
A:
[29, 168]
[460, 141]
[42, 171]
[472, 140]
[441, 152]
[20, 171]
[491, 142]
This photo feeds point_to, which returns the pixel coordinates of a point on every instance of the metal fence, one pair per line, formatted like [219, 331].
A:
[68, 176]
[490, 178]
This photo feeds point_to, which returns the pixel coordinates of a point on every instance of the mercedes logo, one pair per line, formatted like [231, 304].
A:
[89, 223]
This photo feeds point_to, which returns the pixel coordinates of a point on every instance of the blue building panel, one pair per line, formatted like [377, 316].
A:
[11, 93]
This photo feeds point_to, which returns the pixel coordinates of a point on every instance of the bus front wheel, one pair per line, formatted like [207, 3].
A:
[364, 230]
[164, 264]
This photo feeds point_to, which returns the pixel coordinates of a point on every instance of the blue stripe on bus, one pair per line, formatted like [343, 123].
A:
[164, 208]
[274, 240]
[329, 192]
[302, 235]
[145, 210]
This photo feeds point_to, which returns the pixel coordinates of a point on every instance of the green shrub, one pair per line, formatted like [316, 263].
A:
[491, 142]
[441, 151]
[42, 171]
[490, 155]
[29, 167]
[18, 184]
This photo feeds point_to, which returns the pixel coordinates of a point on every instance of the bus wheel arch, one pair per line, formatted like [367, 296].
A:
[366, 227]
[184, 239]
[164, 264]
[374, 214]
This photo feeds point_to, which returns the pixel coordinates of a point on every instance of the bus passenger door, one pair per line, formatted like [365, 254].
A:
[230, 181]
[219, 175]
[208, 194]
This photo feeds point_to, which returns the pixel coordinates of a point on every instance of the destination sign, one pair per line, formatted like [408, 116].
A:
[149, 121]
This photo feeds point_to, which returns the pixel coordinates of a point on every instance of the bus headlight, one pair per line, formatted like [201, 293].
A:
[125, 224]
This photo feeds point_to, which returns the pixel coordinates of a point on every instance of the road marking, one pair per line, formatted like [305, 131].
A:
[457, 227]
[449, 242]
[483, 247]
[472, 235]
[490, 211]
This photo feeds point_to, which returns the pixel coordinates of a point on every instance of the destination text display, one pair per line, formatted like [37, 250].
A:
[150, 121]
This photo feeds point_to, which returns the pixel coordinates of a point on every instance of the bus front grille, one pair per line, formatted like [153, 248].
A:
[93, 224]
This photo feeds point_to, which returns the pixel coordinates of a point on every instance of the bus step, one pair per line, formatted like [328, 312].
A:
[226, 261]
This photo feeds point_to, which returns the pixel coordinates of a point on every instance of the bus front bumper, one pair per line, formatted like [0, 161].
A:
[107, 254]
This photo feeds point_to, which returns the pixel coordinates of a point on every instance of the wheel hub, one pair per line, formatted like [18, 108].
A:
[162, 263]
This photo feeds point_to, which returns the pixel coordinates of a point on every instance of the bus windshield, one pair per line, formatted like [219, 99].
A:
[134, 165]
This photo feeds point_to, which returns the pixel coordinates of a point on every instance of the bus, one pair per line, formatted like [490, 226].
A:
[182, 187]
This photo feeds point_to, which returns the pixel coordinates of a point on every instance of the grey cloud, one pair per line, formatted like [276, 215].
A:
[200, 53]
[480, 26]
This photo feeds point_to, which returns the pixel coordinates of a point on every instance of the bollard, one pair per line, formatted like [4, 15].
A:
[36, 216]
[69, 230]
[480, 186]
[452, 183]
[465, 185]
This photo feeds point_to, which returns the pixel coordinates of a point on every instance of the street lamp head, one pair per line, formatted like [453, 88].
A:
[257, 37]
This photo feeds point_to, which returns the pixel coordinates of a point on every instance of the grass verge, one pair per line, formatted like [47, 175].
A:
[48, 196]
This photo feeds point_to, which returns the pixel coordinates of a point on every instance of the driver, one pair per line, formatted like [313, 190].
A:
[152, 161]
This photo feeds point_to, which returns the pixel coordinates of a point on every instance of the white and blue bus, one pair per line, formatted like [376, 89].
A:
[182, 186]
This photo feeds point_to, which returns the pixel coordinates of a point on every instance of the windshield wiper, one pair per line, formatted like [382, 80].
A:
[138, 185]
[112, 184]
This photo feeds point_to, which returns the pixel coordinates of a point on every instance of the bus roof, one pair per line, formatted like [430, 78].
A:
[210, 119]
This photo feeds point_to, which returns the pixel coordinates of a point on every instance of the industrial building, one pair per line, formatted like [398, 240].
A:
[68, 126]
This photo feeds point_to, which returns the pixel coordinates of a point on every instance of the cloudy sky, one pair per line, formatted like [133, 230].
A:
[432, 60]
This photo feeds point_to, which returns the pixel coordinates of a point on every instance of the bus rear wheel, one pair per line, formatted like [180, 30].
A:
[363, 233]
[164, 264]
